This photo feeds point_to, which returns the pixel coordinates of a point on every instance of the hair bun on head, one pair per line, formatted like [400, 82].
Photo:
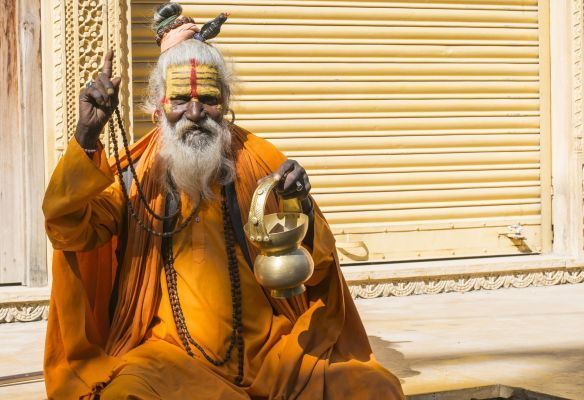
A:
[165, 14]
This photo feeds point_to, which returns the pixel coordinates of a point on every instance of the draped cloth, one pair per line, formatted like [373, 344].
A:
[178, 35]
[326, 353]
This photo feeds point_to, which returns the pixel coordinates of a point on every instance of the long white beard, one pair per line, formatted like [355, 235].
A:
[195, 155]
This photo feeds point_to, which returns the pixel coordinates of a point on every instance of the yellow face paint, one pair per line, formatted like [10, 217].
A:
[194, 82]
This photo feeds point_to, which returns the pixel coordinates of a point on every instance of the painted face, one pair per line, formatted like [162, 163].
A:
[190, 83]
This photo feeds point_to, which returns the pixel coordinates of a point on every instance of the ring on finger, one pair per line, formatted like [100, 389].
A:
[106, 83]
[299, 186]
[90, 84]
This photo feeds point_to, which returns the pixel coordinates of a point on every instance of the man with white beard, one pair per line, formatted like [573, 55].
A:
[154, 295]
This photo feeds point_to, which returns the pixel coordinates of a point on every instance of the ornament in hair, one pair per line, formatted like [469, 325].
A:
[212, 28]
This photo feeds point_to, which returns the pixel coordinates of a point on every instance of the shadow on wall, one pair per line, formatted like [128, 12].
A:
[391, 359]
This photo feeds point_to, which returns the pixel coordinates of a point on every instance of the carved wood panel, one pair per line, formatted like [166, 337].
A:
[82, 32]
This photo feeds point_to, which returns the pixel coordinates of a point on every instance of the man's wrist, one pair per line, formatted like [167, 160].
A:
[86, 139]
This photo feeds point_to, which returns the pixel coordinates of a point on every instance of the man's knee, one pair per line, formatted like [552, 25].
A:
[362, 381]
[128, 387]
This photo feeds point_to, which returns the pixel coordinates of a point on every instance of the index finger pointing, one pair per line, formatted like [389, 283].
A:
[107, 64]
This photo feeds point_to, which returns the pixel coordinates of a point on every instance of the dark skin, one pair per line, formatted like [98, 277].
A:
[97, 104]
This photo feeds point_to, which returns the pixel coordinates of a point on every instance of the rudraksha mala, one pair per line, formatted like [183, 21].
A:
[141, 196]
[236, 338]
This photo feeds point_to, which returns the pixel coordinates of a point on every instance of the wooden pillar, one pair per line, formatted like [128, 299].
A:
[12, 243]
[33, 141]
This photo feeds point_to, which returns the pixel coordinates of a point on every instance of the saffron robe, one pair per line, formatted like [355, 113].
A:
[310, 347]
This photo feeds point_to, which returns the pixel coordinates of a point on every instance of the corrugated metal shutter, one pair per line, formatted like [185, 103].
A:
[424, 125]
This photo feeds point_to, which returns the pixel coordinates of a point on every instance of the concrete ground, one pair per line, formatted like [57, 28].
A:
[22, 352]
[531, 338]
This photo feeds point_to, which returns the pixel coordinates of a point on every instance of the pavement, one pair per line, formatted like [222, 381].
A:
[531, 338]
[22, 352]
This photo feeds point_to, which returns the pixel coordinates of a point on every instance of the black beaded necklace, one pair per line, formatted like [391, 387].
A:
[236, 337]
[141, 196]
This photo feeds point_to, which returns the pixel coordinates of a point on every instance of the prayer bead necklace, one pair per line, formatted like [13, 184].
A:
[236, 338]
[131, 165]
[141, 196]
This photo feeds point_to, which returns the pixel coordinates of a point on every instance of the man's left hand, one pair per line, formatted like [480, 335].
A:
[293, 180]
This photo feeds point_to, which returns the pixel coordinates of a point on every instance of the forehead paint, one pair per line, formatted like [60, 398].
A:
[191, 80]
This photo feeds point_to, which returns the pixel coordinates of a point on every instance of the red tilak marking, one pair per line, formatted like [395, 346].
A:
[193, 78]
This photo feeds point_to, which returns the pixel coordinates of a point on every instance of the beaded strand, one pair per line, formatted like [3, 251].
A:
[133, 169]
[125, 190]
[236, 338]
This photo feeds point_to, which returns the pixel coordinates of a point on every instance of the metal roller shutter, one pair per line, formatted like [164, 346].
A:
[424, 125]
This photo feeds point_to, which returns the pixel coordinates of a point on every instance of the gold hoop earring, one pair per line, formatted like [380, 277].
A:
[155, 117]
[232, 115]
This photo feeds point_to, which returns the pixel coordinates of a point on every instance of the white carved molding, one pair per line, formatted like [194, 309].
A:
[29, 310]
[24, 312]
[462, 284]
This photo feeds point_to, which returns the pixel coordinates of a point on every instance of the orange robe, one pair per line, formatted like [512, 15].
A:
[311, 347]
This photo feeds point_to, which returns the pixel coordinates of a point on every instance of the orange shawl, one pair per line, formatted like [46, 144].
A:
[82, 346]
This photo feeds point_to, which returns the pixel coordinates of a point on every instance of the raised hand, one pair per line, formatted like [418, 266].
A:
[96, 104]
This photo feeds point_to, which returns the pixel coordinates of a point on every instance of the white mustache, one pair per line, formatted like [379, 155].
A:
[206, 126]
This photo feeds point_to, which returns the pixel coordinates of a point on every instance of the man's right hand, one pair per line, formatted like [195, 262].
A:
[96, 105]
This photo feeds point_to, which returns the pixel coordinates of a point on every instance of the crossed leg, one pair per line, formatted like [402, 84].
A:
[159, 370]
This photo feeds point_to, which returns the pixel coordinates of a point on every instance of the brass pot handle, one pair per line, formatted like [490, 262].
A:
[257, 229]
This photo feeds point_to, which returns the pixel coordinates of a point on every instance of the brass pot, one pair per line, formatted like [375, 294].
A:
[283, 265]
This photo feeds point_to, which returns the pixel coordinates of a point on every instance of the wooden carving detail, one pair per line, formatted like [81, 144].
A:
[90, 29]
[24, 312]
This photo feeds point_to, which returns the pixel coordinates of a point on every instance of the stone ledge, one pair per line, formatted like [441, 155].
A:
[24, 304]
[23, 294]
[370, 281]
[367, 273]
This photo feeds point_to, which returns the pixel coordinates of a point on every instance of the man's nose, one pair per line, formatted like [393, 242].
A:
[195, 111]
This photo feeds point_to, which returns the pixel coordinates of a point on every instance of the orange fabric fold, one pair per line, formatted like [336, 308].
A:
[326, 344]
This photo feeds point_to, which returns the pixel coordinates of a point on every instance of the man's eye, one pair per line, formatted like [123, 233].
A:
[209, 100]
[179, 100]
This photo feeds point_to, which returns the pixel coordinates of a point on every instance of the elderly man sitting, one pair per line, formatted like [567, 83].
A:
[154, 296]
